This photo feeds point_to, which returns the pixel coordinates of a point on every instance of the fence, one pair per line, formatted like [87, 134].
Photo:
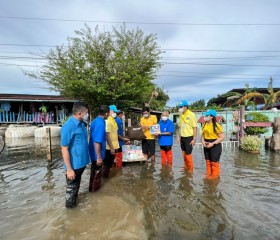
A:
[27, 117]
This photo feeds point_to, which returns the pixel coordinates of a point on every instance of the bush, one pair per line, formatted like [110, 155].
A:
[256, 117]
[251, 143]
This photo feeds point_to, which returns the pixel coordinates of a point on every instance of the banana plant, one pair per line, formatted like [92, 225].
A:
[272, 97]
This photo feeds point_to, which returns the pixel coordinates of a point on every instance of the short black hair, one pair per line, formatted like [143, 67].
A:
[103, 110]
[145, 109]
[79, 107]
[120, 112]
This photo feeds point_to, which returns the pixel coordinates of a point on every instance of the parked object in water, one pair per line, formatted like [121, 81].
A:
[14, 131]
[2, 131]
[42, 131]
[2, 144]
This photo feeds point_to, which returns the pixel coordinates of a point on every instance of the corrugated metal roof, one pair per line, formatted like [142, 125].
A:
[34, 98]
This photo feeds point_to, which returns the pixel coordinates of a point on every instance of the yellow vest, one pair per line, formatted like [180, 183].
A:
[187, 122]
[151, 120]
[112, 128]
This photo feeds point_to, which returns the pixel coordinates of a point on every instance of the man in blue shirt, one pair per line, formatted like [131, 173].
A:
[74, 145]
[119, 120]
[165, 138]
[97, 143]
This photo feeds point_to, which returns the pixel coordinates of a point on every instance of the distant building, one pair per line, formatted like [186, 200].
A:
[26, 108]
[220, 101]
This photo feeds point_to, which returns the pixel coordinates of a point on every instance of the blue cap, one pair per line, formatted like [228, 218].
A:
[183, 103]
[210, 112]
[113, 108]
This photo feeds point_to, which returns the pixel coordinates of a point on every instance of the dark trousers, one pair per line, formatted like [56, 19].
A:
[72, 188]
[108, 161]
[214, 153]
[186, 144]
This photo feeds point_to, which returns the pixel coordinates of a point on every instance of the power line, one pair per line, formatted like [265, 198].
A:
[234, 74]
[221, 64]
[221, 58]
[215, 50]
[17, 65]
[210, 77]
[143, 23]
[164, 49]
[26, 45]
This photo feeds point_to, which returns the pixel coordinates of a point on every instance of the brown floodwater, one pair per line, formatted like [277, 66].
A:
[141, 200]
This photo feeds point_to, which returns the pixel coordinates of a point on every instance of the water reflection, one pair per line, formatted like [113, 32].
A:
[141, 200]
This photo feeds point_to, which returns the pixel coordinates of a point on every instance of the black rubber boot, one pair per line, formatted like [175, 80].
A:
[105, 172]
[92, 175]
[72, 189]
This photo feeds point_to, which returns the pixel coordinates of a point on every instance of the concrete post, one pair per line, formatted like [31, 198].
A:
[49, 144]
[241, 120]
[275, 140]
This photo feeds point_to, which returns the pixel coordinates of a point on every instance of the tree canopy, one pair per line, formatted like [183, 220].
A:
[105, 67]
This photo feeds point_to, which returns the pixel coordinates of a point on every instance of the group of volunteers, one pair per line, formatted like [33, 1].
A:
[107, 138]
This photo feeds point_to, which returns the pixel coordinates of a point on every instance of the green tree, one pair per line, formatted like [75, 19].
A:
[104, 67]
[256, 117]
[198, 105]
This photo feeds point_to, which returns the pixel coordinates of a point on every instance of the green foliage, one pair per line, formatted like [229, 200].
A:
[198, 105]
[256, 117]
[251, 143]
[105, 67]
[272, 97]
[43, 109]
[215, 107]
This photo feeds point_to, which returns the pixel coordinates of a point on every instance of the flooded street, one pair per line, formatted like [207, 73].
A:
[141, 200]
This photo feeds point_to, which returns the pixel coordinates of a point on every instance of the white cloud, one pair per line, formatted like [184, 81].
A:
[259, 38]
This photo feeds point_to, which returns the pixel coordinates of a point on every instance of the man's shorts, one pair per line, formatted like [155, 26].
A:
[149, 146]
[186, 144]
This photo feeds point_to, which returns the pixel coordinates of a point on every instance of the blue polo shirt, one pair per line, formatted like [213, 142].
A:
[166, 126]
[120, 130]
[98, 135]
[74, 136]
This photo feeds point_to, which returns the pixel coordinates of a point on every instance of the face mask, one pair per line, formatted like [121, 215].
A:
[85, 117]
[146, 115]
[123, 117]
[114, 115]
[164, 118]
[206, 119]
[180, 110]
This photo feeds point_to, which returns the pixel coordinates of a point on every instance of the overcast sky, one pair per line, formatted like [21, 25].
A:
[187, 30]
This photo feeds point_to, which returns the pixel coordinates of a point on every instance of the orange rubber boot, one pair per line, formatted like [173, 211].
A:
[208, 169]
[169, 157]
[163, 157]
[118, 157]
[189, 163]
[185, 159]
[215, 170]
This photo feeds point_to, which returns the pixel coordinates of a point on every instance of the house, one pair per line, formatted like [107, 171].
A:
[220, 119]
[221, 99]
[26, 108]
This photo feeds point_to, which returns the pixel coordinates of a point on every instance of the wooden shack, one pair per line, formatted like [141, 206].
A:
[36, 109]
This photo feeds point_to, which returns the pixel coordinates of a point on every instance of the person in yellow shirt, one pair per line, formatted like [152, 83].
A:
[148, 144]
[112, 141]
[187, 133]
[212, 136]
